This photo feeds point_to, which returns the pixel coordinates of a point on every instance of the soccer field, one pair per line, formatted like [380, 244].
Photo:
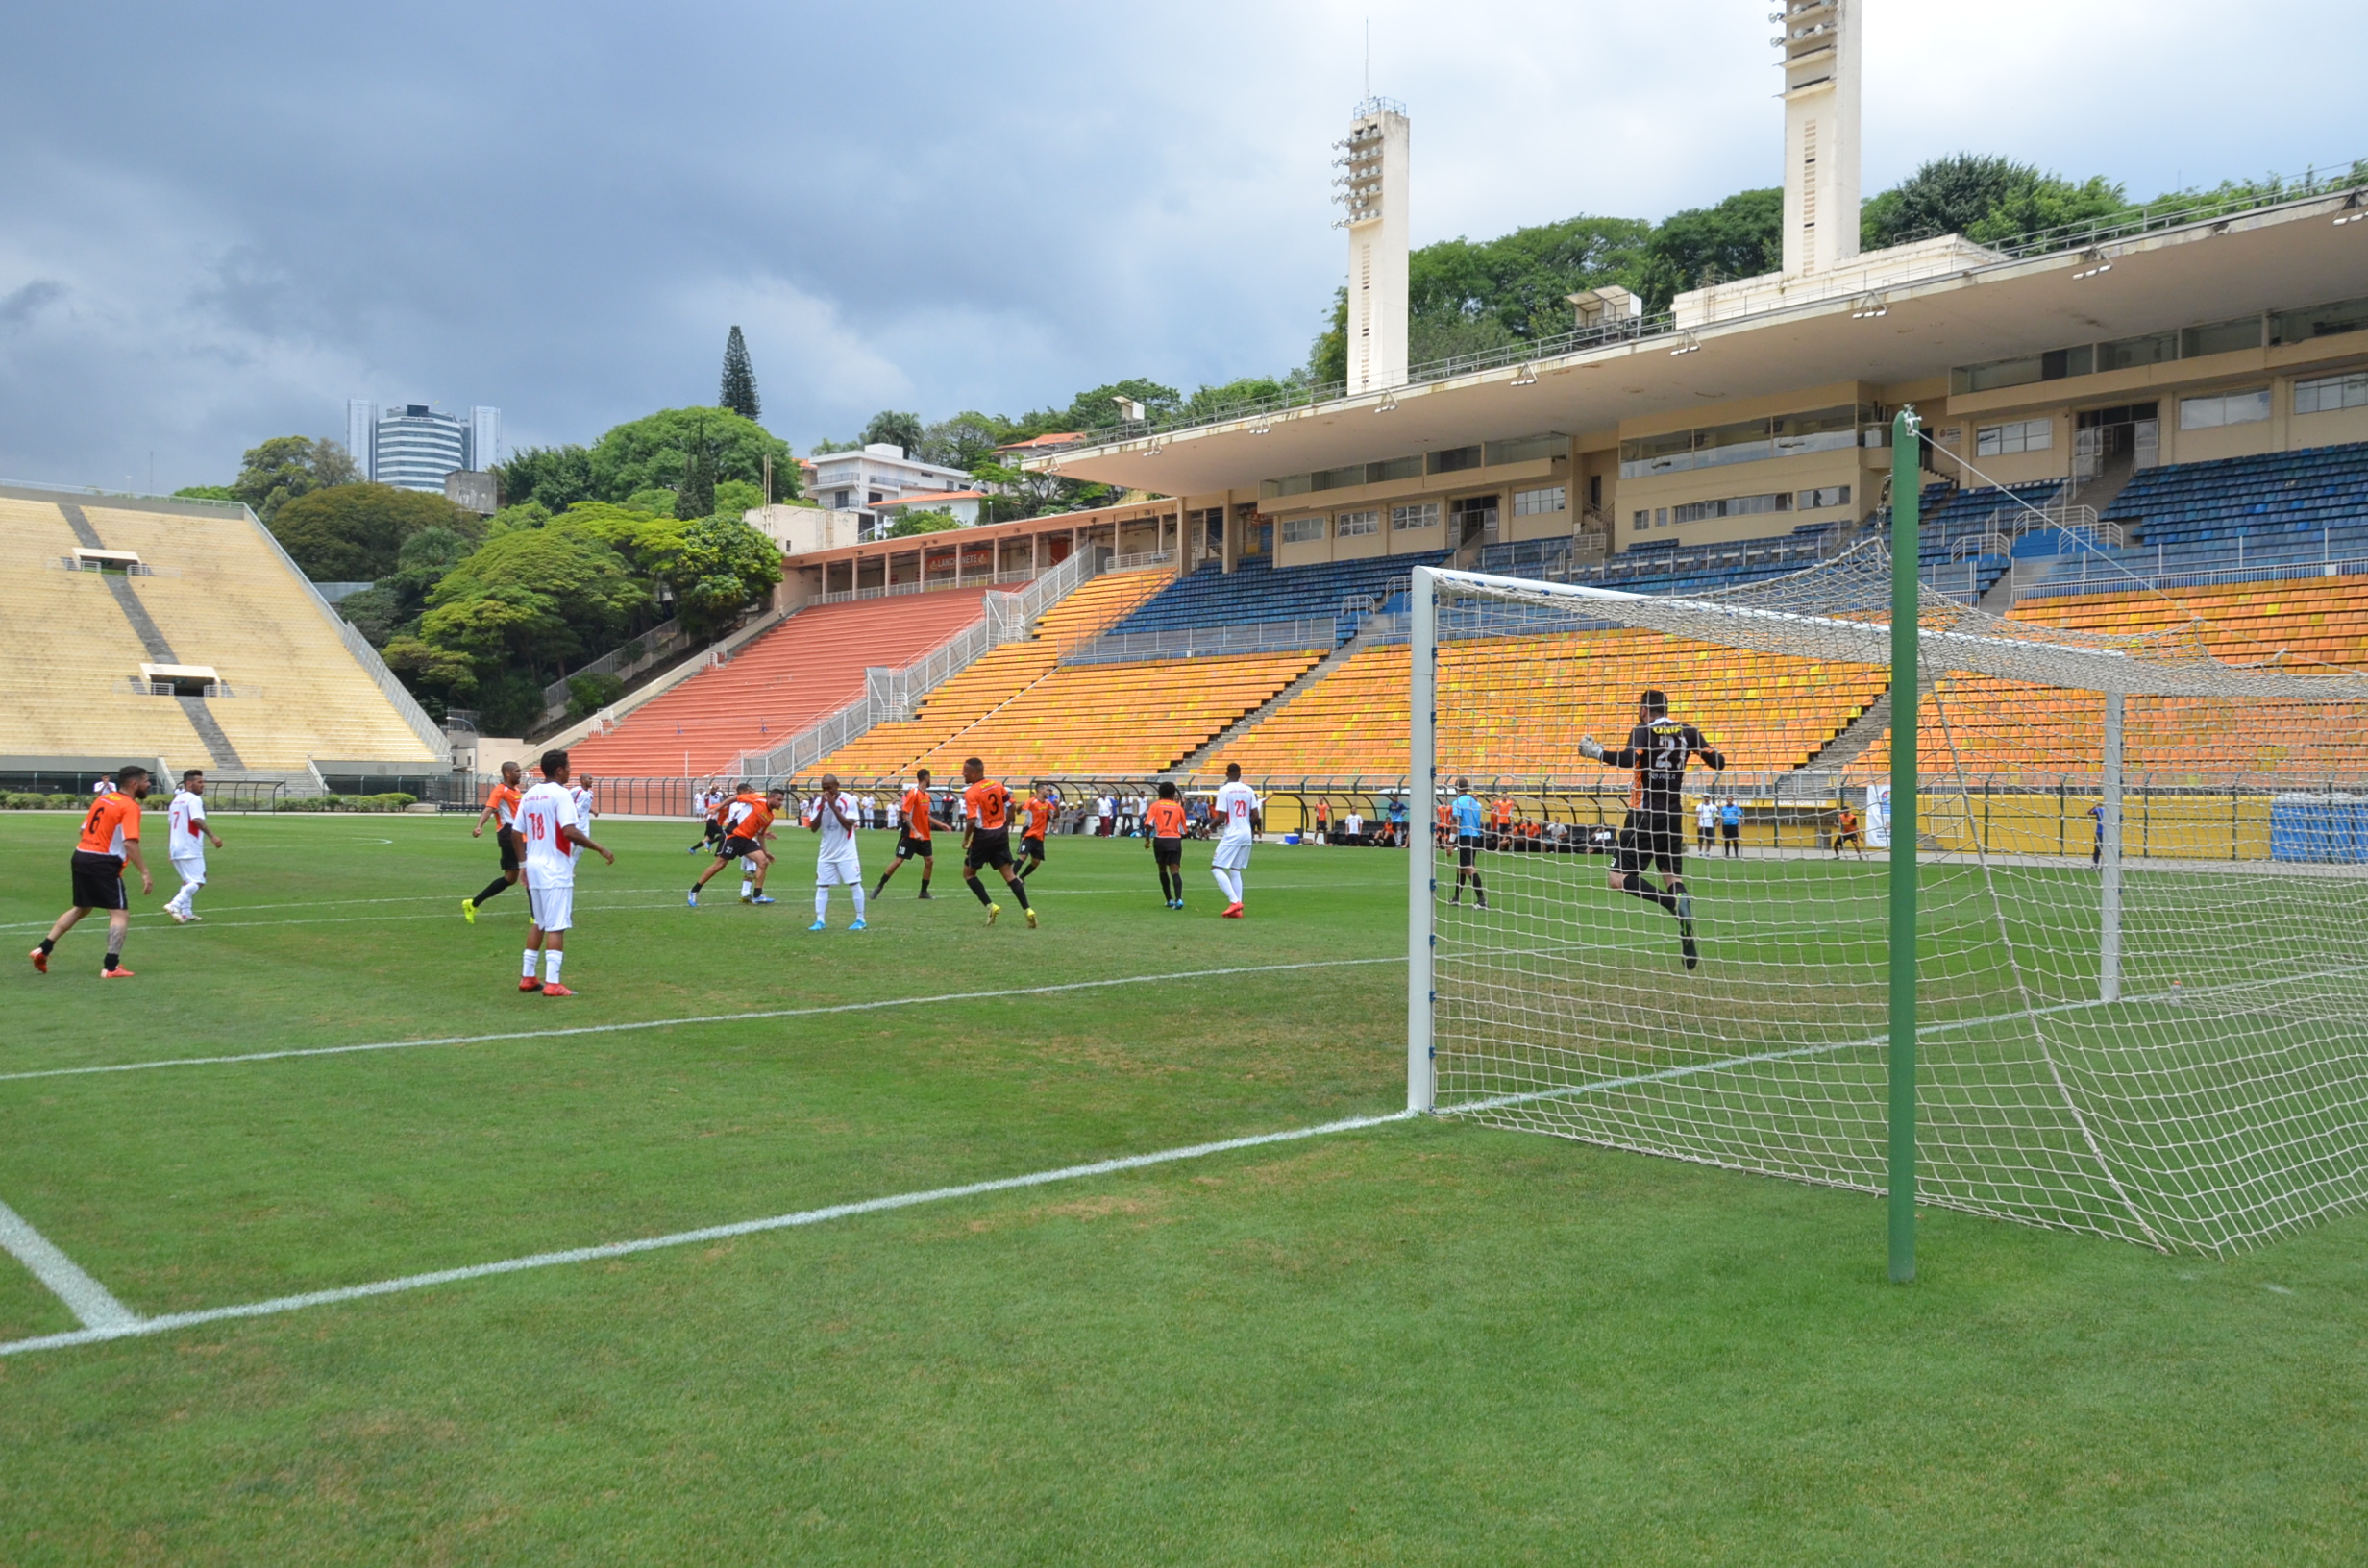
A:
[1416, 1341]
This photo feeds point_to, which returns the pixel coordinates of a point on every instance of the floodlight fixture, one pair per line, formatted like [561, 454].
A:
[1129, 409]
[1868, 307]
[1525, 375]
[1387, 405]
[2353, 211]
[2098, 265]
[1689, 344]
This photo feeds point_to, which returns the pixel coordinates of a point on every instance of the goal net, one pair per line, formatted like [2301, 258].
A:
[2142, 936]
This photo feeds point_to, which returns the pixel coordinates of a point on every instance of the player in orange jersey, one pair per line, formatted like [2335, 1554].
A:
[986, 838]
[1846, 831]
[747, 820]
[1040, 808]
[502, 809]
[110, 837]
[1164, 825]
[920, 815]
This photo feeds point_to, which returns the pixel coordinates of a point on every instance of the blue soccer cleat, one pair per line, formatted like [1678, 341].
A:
[693, 899]
[762, 898]
[859, 926]
[818, 925]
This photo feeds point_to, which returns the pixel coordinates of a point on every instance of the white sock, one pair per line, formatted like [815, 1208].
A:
[747, 887]
[529, 974]
[822, 902]
[550, 966]
[858, 892]
[1227, 884]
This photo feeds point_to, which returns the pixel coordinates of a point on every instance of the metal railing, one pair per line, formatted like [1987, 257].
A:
[933, 584]
[1307, 631]
[1142, 560]
[650, 648]
[2113, 578]
[892, 693]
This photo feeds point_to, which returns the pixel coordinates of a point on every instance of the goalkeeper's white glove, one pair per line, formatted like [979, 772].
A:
[1591, 749]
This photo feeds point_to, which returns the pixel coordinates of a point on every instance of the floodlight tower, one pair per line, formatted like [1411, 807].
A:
[1373, 189]
[1821, 45]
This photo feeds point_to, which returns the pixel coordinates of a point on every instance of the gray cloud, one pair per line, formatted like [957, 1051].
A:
[217, 224]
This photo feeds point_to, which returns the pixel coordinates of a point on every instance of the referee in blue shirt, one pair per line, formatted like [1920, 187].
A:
[1470, 819]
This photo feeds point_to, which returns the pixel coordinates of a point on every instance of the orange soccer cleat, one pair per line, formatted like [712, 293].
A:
[1233, 912]
[530, 982]
[118, 973]
[555, 988]
[41, 960]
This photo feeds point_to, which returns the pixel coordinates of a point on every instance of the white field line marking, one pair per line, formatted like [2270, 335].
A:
[708, 1017]
[130, 1326]
[96, 1309]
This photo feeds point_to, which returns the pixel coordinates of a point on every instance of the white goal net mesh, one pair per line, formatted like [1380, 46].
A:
[2142, 1011]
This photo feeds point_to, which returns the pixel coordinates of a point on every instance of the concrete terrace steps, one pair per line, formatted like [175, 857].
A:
[802, 671]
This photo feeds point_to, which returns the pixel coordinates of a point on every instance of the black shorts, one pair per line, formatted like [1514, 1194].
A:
[1651, 840]
[1464, 845]
[1731, 830]
[1032, 846]
[715, 830]
[735, 846]
[1167, 851]
[989, 850]
[508, 839]
[909, 847]
[98, 881]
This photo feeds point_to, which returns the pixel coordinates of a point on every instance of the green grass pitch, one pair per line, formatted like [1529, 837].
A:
[1427, 1342]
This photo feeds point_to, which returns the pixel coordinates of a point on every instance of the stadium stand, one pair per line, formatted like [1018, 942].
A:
[1257, 592]
[1118, 719]
[1665, 568]
[799, 673]
[2260, 514]
[1766, 712]
[2005, 730]
[213, 592]
[889, 751]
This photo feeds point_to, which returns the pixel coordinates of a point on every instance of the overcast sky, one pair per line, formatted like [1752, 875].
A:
[219, 221]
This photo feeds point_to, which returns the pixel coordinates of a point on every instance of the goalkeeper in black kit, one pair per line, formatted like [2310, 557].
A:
[1653, 838]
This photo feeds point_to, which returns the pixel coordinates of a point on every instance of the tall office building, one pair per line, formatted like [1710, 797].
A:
[412, 446]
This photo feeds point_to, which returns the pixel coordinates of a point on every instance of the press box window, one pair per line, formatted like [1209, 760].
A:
[2327, 394]
[1300, 530]
[1355, 524]
[1420, 514]
[1818, 500]
[2023, 435]
[1551, 498]
[2224, 409]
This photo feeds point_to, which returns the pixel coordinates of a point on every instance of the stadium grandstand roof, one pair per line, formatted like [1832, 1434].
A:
[2278, 256]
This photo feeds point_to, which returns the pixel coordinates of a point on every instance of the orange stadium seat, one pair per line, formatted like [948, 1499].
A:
[800, 671]
[892, 750]
[1997, 729]
[1518, 705]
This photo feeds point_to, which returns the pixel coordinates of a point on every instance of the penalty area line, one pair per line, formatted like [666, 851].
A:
[93, 1306]
[128, 1325]
[755, 1016]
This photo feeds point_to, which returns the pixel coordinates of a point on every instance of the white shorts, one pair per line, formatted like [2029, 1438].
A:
[553, 906]
[189, 868]
[838, 870]
[1232, 854]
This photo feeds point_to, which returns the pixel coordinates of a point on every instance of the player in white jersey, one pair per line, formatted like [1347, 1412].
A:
[553, 837]
[1237, 821]
[581, 793]
[834, 816]
[187, 845]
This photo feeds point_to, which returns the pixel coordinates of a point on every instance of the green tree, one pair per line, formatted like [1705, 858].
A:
[733, 496]
[286, 467]
[535, 598]
[555, 477]
[1740, 238]
[923, 522]
[657, 452]
[718, 567]
[205, 492]
[1519, 282]
[964, 441]
[655, 502]
[356, 532]
[1098, 409]
[394, 601]
[1327, 357]
[739, 389]
[1985, 198]
[896, 430]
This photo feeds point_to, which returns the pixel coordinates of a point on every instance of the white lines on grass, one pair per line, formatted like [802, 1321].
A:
[757, 1015]
[130, 1326]
[92, 1306]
